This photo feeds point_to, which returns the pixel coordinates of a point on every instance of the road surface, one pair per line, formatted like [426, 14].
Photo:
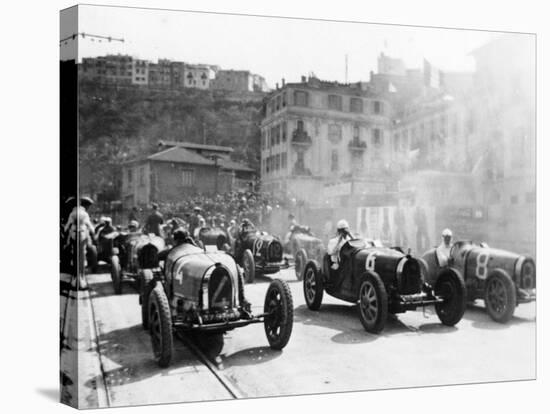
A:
[328, 352]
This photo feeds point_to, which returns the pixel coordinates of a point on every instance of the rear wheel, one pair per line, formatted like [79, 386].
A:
[249, 266]
[313, 286]
[160, 323]
[373, 303]
[450, 287]
[500, 297]
[280, 309]
[145, 278]
[299, 263]
[116, 274]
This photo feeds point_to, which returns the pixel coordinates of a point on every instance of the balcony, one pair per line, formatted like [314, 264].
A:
[357, 144]
[300, 138]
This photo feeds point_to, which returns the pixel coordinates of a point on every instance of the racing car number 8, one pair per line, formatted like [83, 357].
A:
[481, 268]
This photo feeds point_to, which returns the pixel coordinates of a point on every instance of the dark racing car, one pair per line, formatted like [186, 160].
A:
[131, 255]
[203, 292]
[259, 253]
[501, 278]
[303, 245]
[381, 280]
[214, 236]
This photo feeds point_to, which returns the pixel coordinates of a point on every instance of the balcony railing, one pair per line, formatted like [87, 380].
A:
[357, 144]
[301, 138]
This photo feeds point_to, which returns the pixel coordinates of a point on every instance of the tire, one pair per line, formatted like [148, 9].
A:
[300, 263]
[91, 258]
[278, 324]
[249, 266]
[450, 286]
[373, 304]
[116, 274]
[160, 326]
[500, 297]
[145, 278]
[313, 286]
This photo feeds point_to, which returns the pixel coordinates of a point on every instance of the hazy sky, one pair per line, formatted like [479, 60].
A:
[272, 47]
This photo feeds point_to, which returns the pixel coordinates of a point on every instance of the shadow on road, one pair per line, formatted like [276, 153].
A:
[480, 319]
[51, 394]
[128, 357]
[105, 289]
[251, 356]
[345, 318]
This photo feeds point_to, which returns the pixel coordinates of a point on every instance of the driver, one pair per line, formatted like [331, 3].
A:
[443, 251]
[180, 236]
[335, 244]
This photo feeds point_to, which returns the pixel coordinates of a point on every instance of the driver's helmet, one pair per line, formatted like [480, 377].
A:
[342, 225]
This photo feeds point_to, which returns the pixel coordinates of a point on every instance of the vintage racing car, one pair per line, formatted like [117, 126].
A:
[381, 280]
[201, 291]
[501, 278]
[259, 253]
[303, 245]
[133, 253]
[214, 237]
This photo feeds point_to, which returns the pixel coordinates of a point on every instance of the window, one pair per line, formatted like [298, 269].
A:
[299, 125]
[301, 98]
[356, 132]
[130, 176]
[284, 99]
[378, 107]
[335, 102]
[334, 161]
[278, 162]
[188, 178]
[278, 134]
[334, 133]
[283, 161]
[356, 105]
[377, 136]
[283, 126]
[278, 103]
[142, 176]
[357, 161]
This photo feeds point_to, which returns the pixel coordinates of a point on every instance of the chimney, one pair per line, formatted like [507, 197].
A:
[283, 80]
[277, 86]
[304, 80]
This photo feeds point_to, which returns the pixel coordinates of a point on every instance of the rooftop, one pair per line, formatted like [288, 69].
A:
[192, 145]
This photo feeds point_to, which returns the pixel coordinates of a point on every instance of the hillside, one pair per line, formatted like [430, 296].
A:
[121, 123]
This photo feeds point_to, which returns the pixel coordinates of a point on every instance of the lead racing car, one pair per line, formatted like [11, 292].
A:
[201, 291]
[381, 280]
[501, 278]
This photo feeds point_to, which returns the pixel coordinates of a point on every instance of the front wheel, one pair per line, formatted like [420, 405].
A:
[373, 304]
[249, 266]
[145, 277]
[299, 263]
[280, 314]
[500, 297]
[451, 288]
[160, 323]
[116, 274]
[313, 286]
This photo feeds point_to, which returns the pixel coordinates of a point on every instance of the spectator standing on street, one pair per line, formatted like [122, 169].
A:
[154, 221]
[134, 214]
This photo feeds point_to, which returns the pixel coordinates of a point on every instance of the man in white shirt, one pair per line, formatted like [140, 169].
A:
[443, 251]
[81, 232]
[336, 243]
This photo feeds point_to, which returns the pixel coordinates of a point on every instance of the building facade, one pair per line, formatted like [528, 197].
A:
[318, 134]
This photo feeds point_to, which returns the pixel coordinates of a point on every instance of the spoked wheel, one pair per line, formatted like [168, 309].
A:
[116, 274]
[500, 297]
[313, 287]
[145, 278]
[450, 287]
[299, 263]
[249, 266]
[280, 309]
[373, 304]
[160, 324]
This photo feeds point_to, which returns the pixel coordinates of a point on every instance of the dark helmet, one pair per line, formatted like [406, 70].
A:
[180, 235]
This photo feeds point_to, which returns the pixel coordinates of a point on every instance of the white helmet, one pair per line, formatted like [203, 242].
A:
[342, 225]
[447, 232]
